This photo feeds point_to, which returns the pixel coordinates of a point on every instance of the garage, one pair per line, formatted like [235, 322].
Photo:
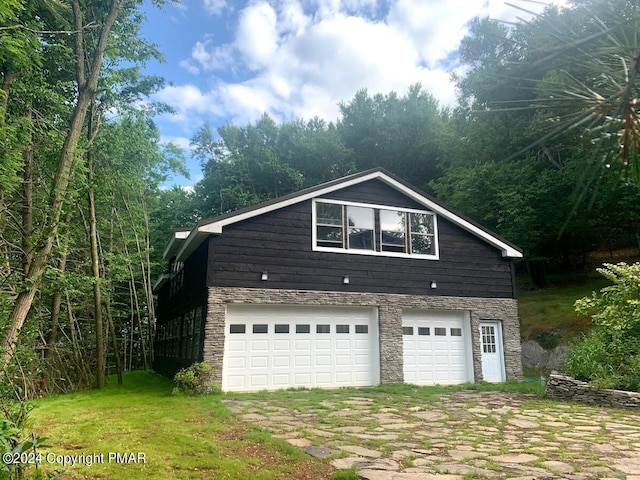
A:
[436, 347]
[284, 346]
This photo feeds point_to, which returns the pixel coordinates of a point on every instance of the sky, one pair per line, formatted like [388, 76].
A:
[229, 61]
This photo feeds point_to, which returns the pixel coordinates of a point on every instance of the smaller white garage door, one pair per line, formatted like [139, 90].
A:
[436, 347]
[274, 346]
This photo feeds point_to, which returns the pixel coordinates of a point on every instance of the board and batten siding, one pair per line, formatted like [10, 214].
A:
[280, 242]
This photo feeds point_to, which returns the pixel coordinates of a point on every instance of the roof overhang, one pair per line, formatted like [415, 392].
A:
[192, 240]
[162, 279]
[175, 242]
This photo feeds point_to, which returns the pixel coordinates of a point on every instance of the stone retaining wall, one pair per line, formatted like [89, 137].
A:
[561, 387]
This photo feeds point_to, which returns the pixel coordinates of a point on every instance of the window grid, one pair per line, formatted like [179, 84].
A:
[375, 229]
[488, 339]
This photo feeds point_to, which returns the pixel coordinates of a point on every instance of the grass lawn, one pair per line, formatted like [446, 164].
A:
[551, 310]
[190, 437]
[178, 437]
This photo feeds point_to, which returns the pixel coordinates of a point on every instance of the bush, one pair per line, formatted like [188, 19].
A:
[194, 380]
[609, 356]
[606, 360]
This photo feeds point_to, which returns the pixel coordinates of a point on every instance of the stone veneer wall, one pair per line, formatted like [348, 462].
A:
[561, 387]
[389, 307]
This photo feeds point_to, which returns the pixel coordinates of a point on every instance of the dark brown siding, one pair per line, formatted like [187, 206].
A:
[375, 192]
[280, 243]
[185, 346]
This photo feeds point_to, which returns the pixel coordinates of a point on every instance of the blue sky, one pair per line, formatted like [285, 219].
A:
[229, 61]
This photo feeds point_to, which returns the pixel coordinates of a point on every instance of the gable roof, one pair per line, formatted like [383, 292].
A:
[184, 245]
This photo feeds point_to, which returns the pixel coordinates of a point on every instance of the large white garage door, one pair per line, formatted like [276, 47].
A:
[437, 347]
[274, 346]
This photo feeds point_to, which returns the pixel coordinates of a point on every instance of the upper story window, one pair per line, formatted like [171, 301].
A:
[374, 230]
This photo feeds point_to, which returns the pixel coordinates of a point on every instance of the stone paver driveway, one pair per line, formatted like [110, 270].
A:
[463, 435]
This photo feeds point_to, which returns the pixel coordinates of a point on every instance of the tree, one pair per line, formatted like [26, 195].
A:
[85, 29]
[609, 356]
[242, 168]
[528, 131]
[399, 133]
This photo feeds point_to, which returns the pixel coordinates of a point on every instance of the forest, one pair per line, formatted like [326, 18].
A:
[542, 148]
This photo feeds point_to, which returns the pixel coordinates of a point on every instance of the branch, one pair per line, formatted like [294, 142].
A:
[90, 25]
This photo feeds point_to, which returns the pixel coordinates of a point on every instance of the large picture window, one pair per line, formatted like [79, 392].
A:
[357, 228]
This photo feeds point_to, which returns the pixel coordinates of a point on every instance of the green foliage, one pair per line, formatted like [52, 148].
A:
[194, 380]
[402, 134]
[609, 356]
[13, 441]
[617, 306]
[606, 360]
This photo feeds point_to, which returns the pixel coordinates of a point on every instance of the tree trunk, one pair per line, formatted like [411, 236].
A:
[27, 204]
[114, 342]
[87, 82]
[95, 272]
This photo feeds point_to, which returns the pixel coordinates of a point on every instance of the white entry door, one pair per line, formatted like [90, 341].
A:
[283, 346]
[492, 353]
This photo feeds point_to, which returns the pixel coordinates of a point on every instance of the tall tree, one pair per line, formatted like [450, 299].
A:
[84, 28]
[399, 133]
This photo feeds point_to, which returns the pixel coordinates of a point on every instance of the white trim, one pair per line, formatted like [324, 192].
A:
[507, 250]
[499, 343]
[358, 251]
[216, 227]
[178, 236]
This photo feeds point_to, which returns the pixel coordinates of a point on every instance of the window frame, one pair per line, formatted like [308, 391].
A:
[377, 233]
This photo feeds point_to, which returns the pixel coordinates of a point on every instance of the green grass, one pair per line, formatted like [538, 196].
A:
[180, 436]
[551, 310]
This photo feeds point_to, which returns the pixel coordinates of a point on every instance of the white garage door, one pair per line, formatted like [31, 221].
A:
[273, 346]
[437, 347]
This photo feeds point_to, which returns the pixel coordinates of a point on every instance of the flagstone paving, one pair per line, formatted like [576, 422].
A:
[460, 436]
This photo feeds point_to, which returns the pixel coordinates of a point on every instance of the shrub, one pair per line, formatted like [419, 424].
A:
[609, 356]
[606, 360]
[194, 380]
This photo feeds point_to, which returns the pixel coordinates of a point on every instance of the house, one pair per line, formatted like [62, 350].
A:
[359, 281]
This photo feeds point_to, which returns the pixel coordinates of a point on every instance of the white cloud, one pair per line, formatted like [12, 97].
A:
[214, 7]
[300, 58]
[257, 38]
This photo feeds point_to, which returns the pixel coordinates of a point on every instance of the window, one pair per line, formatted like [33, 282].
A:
[362, 328]
[393, 231]
[361, 223]
[424, 331]
[456, 332]
[282, 328]
[330, 225]
[342, 328]
[407, 330]
[237, 328]
[261, 328]
[323, 329]
[440, 332]
[421, 233]
[488, 333]
[357, 228]
[303, 328]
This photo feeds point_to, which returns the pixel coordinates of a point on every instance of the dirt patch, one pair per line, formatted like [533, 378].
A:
[262, 457]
